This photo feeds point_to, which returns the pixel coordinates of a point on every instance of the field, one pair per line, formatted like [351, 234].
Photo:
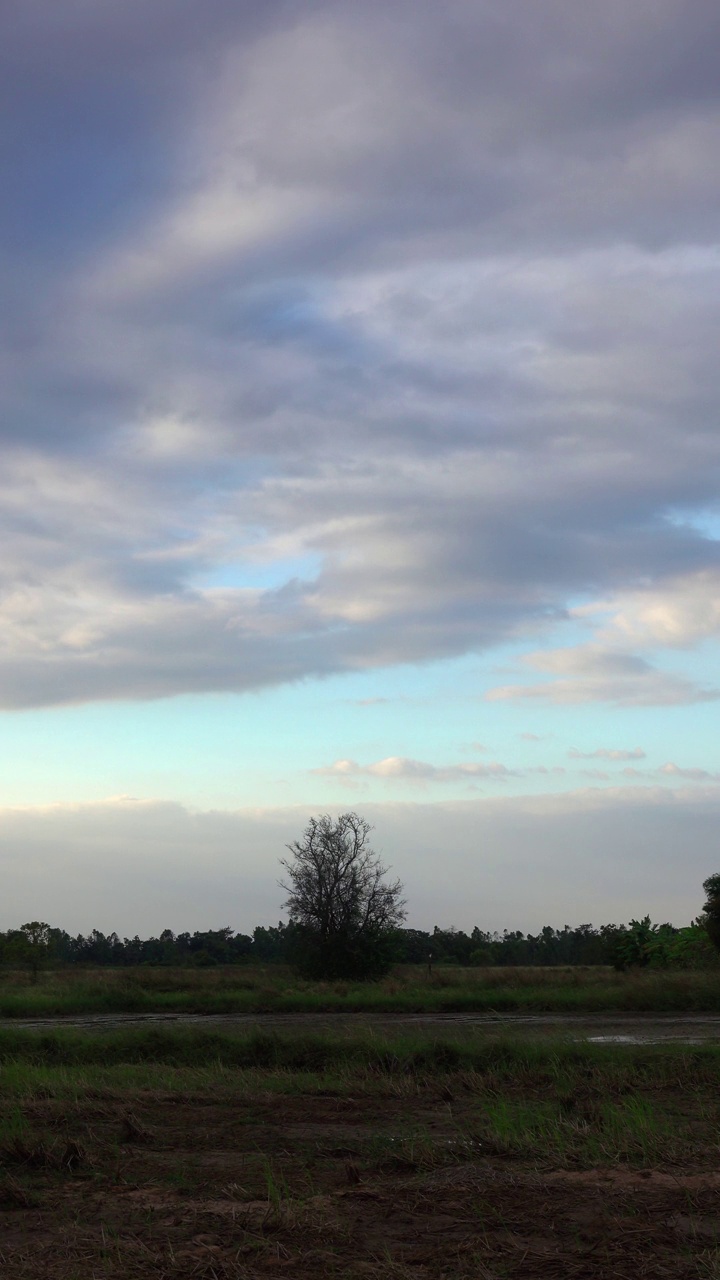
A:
[254, 990]
[218, 1152]
[170, 1153]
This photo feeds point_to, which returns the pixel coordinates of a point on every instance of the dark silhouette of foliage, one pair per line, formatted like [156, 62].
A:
[344, 910]
[280, 944]
[636, 947]
[36, 945]
[33, 946]
[712, 909]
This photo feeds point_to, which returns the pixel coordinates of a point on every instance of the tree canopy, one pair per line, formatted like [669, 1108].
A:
[345, 910]
[712, 909]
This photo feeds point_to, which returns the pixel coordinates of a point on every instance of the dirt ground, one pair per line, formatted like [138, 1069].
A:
[330, 1186]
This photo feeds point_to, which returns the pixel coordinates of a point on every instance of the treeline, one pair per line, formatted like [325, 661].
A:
[639, 943]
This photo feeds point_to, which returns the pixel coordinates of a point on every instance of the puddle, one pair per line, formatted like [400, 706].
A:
[651, 1039]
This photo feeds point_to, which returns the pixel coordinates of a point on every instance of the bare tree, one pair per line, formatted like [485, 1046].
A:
[343, 908]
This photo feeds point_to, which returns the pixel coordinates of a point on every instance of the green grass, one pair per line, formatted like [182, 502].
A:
[631, 1131]
[386, 1055]
[550, 1101]
[324, 1153]
[256, 990]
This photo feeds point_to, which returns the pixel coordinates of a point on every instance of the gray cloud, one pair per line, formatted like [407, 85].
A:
[607, 753]
[593, 674]
[668, 770]
[425, 303]
[598, 855]
[673, 770]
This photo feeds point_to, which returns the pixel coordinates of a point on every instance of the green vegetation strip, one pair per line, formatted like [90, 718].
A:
[390, 1055]
[409, 990]
[411, 1101]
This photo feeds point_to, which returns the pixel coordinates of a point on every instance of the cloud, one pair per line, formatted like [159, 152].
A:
[607, 753]
[672, 770]
[599, 675]
[598, 854]
[668, 770]
[694, 775]
[401, 768]
[675, 613]
[401, 294]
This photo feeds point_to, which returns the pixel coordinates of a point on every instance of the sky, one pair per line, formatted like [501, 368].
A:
[360, 450]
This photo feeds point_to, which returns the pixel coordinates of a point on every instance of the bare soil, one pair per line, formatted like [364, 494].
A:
[171, 1186]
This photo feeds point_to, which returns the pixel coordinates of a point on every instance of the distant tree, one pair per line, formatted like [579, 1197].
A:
[631, 950]
[270, 945]
[413, 946]
[212, 947]
[711, 917]
[643, 943]
[345, 912]
[481, 943]
[33, 945]
[691, 948]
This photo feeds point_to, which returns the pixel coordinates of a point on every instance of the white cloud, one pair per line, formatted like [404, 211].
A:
[675, 612]
[401, 768]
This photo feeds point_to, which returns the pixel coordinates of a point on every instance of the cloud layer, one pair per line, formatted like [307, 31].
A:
[347, 336]
[405, 770]
[590, 856]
